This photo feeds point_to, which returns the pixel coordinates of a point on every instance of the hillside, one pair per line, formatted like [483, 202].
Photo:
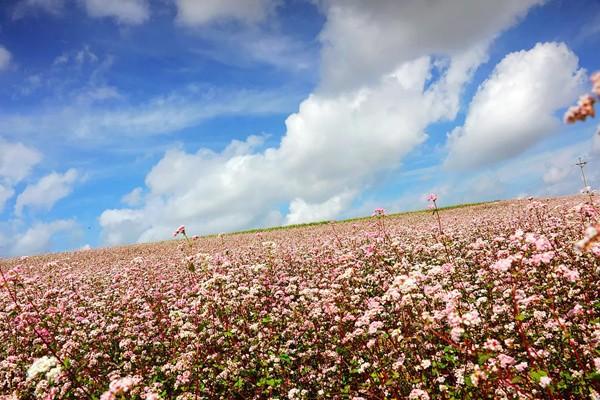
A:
[499, 304]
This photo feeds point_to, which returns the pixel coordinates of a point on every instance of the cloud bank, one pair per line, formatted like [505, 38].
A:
[379, 92]
[515, 107]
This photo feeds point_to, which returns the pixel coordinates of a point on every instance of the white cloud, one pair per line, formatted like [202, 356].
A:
[244, 47]
[197, 13]
[24, 7]
[84, 55]
[16, 161]
[133, 198]
[332, 145]
[301, 211]
[130, 12]
[5, 57]
[6, 192]
[363, 39]
[514, 108]
[38, 238]
[159, 115]
[47, 191]
[353, 127]
[596, 142]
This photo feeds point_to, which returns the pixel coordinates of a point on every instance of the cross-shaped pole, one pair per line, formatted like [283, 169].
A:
[582, 164]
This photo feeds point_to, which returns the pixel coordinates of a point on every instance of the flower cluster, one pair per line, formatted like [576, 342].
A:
[583, 109]
[502, 306]
[585, 105]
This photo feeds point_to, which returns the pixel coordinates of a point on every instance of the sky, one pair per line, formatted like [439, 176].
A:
[122, 119]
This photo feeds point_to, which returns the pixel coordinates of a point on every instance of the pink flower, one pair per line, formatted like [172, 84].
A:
[418, 394]
[492, 344]
[179, 230]
[432, 197]
[378, 212]
[374, 326]
[505, 360]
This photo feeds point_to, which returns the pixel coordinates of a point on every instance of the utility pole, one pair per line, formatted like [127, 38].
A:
[582, 164]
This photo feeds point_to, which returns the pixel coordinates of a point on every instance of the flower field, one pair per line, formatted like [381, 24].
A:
[489, 301]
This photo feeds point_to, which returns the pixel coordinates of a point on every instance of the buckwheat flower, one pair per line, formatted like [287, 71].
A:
[41, 366]
[418, 394]
[456, 333]
[379, 212]
[293, 393]
[432, 197]
[521, 366]
[362, 368]
[502, 265]
[180, 230]
[53, 373]
[492, 344]
[590, 237]
[545, 381]
[505, 360]
[374, 326]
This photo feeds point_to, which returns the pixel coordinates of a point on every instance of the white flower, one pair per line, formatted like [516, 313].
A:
[53, 373]
[545, 381]
[42, 365]
[418, 394]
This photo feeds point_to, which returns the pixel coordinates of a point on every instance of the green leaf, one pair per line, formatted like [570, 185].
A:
[239, 383]
[285, 358]
[536, 375]
[593, 376]
[483, 357]
[520, 317]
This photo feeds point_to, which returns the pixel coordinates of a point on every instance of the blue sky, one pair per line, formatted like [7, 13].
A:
[120, 120]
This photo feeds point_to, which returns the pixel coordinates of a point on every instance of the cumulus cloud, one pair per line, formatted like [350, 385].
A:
[4, 58]
[133, 198]
[130, 12]
[38, 238]
[363, 39]
[332, 145]
[16, 160]
[197, 13]
[16, 163]
[515, 107]
[301, 211]
[343, 134]
[47, 191]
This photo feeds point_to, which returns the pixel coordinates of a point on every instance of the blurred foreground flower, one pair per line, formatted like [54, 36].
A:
[585, 105]
[590, 238]
[378, 212]
[179, 230]
[432, 197]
